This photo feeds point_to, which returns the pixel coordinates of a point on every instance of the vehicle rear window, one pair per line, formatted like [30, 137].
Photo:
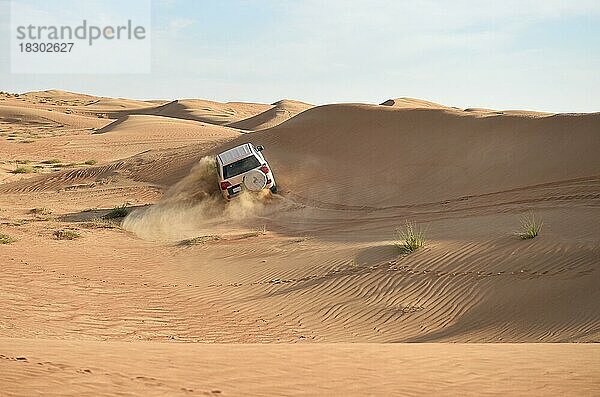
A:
[240, 166]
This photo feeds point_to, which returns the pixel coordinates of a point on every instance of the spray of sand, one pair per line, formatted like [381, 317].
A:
[194, 207]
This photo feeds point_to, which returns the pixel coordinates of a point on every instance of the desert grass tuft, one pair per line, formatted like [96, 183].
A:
[51, 161]
[24, 170]
[199, 240]
[90, 162]
[100, 223]
[66, 234]
[6, 239]
[255, 233]
[410, 238]
[530, 227]
[66, 165]
[40, 211]
[117, 212]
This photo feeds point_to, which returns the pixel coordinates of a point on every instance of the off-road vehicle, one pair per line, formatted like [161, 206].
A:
[244, 167]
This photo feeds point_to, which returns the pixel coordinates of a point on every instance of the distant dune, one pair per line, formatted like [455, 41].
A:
[66, 98]
[280, 112]
[39, 117]
[200, 110]
[160, 127]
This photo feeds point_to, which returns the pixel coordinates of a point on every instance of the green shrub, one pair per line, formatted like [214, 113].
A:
[410, 238]
[51, 161]
[90, 162]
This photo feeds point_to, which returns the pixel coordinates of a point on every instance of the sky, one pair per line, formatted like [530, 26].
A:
[528, 54]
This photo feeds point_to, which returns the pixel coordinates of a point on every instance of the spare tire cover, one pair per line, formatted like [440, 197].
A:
[255, 180]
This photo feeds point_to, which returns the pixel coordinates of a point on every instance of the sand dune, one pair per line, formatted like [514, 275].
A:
[362, 155]
[314, 264]
[73, 103]
[23, 116]
[56, 95]
[280, 112]
[199, 110]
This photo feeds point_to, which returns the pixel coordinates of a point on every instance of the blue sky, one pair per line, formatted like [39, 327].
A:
[542, 55]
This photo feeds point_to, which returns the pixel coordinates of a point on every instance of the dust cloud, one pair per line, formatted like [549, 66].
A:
[195, 207]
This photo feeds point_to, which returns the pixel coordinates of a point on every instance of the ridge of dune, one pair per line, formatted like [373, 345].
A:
[149, 125]
[105, 104]
[412, 103]
[57, 93]
[112, 125]
[281, 111]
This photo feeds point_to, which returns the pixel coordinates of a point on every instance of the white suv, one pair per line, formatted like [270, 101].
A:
[244, 167]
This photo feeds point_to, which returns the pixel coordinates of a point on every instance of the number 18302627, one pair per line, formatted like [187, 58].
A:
[46, 47]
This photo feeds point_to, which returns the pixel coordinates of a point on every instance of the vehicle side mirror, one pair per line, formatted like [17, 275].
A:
[260, 148]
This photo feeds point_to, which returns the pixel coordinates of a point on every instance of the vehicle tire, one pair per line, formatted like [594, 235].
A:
[273, 189]
[255, 181]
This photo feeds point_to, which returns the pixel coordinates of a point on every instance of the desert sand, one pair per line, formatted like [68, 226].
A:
[303, 292]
